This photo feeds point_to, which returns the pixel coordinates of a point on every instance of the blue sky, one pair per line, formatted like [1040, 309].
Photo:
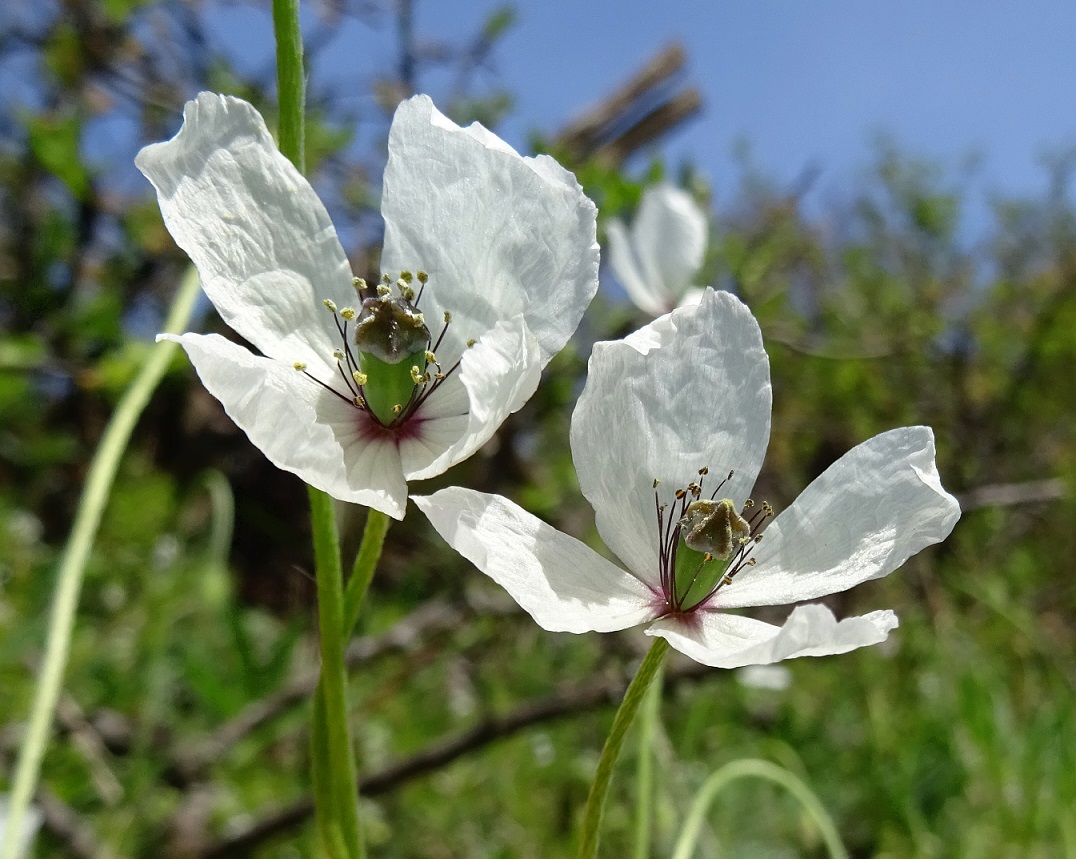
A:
[810, 82]
[805, 83]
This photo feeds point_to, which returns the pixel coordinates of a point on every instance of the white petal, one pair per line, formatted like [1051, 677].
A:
[862, 518]
[298, 425]
[692, 296]
[729, 641]
[496, 377]
[669, 240]
[564, 585]
[691, 390]
[263, 243]
[628, 270]
[499, 235]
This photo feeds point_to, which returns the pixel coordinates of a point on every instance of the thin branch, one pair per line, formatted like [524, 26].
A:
[581, 134]
[191, 764]
[1013, 494]
[567, 702]
[67, 826]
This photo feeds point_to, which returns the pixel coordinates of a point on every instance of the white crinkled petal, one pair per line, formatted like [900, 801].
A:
[669, 240]
[690, 390]
[261, 239]
[563, 584]
[298, 425]
[500, 235]
[729, 641]
[628, 270]
[862, 518]
[496, 377]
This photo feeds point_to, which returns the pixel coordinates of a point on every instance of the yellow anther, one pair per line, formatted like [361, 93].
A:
[383, 290]
[406, 276]
[360, 378]
[348, 313]
[299, 365]
[359, 283]
[386, 279]
[430, 357]
[704, 470]
[422, 276]
[358, 402]
[448, 317]
[330, 304]
[338, 355]
[396, 409]
[407, 292]
[748, 504]
[416, 376]
[419, 320]
[471, 342]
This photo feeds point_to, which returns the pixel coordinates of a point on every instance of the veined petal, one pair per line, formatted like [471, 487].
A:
[499, 235]
[862, 518]
[298, 425]
[669, 237]
[496, 377]
[262, 241]
[564, 585]
[729, 641]
[692, 389]
[628, 270]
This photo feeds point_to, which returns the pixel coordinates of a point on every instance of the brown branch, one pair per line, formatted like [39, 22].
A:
[191, 764]
[567, 702]
[645, 131]
[580, 134]
[67, 826]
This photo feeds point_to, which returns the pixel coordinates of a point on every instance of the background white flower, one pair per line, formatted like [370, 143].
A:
[656, 260]
[509, 244]
[688, 392]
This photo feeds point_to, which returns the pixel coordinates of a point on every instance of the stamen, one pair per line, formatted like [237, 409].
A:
[329, 304]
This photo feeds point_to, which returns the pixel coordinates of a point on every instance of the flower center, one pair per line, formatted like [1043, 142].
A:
[388, 365]
[704, 542]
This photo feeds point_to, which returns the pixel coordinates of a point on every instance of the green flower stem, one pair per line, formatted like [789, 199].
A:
[73, 564]
[373, 540]
[754, 768]
[335, 782]
[625, 714]
[290, 82]
[644, 784]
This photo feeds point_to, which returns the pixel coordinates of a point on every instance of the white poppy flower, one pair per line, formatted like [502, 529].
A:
[679, 406]
[658, 258]
[359, 389]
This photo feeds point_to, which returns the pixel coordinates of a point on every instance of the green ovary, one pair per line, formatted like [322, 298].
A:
[688, 563]
[389, 387]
